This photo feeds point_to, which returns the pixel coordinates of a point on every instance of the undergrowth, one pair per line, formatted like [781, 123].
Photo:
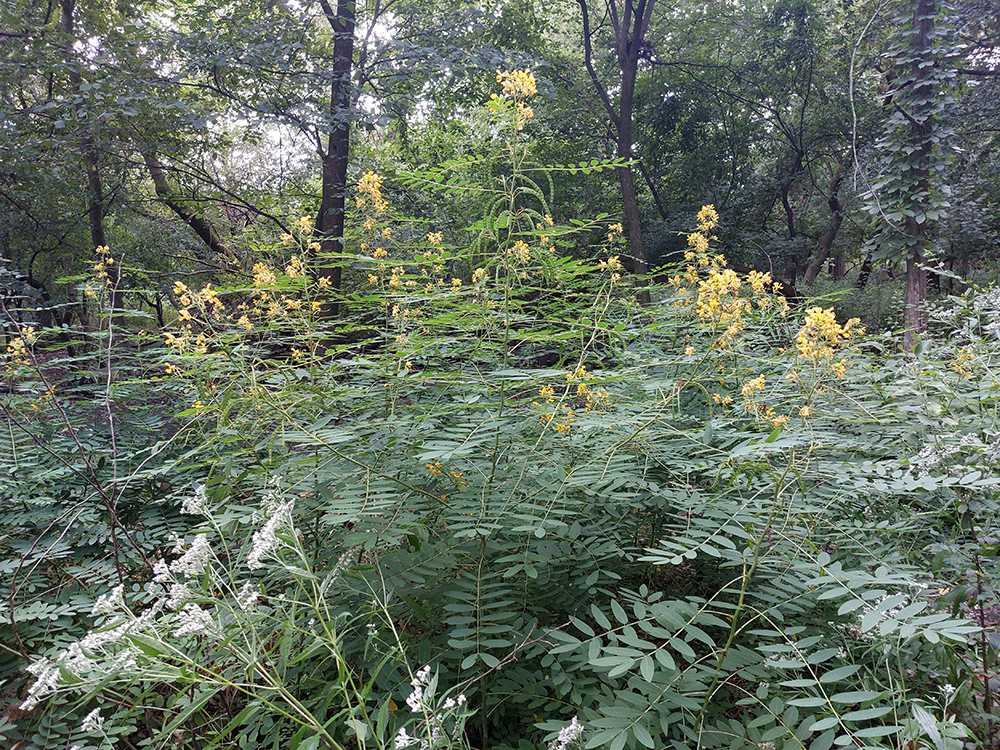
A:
[497, 503]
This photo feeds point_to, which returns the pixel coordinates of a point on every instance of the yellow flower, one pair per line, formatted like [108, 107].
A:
[478, 275]
[435, 238]
[752, 386]
[263, 276]
[380, 253]
[805, 412]
[517, 83]
[245, 323]
[689, 351]
[520, 251]
[708, 217]
[372, 278]
[371, 185]
[287, 239]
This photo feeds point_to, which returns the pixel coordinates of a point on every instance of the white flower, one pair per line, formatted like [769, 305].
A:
[415, 700]
[46, 681]
[247, 598]
[567, 735]
[108, 604]
[161, 572]
[265, 541]
[194, 561]
[194, 621]
[93, 722]
[404, 740]
[177, 594]
[197, 505]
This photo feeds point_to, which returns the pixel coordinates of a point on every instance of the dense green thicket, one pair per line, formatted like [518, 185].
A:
[497, 503]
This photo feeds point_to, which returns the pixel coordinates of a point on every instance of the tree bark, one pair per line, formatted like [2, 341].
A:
[920, 130]
[630, 21]
[330, 221]
[202, 227]
[827, 238]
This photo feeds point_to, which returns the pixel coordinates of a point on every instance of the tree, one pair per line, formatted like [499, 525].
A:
[909, 196]
[629, 23]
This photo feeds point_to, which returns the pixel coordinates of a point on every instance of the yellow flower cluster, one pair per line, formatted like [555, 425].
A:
[719, 302]
[517, 83]
[752, 386]
[435, 238]
[963, 361]
[820, 335]
[708, 217]
[371, 186]
[520, 251]
[17, 349]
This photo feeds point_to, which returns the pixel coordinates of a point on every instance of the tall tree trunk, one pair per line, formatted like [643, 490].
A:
[630, 20]
[827, 238]
[636, 262]
[866, 269]
[202, 227]
[91, 156]
[921, 128]
[330, 222]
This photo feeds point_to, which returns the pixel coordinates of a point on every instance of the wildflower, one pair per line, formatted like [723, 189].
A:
[263, 276]
[110, 603]
[196, 504]
[372, 278]
[244, 322]
[194, 621]
[287, 239]
[963, 361]
[520, 251]
[568, 735]
[315, 247]
[247, 597]
[805, 412]
[821, 334]
[371, 185]
[93, 722]
[195, 559]
[478, 275]
[456, 283]
[415, 700]
[517, 83]
[752, 386]
[380, 253]
[265, 541]
[295, 269]
[689, 351]
[404, 740]
[708, 217]
[435, 238]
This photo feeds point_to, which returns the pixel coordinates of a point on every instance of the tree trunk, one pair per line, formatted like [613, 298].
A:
[202, 227]
[921, 128]
[91, 157]
[330, 221]
[630, 20]
[826, 240]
